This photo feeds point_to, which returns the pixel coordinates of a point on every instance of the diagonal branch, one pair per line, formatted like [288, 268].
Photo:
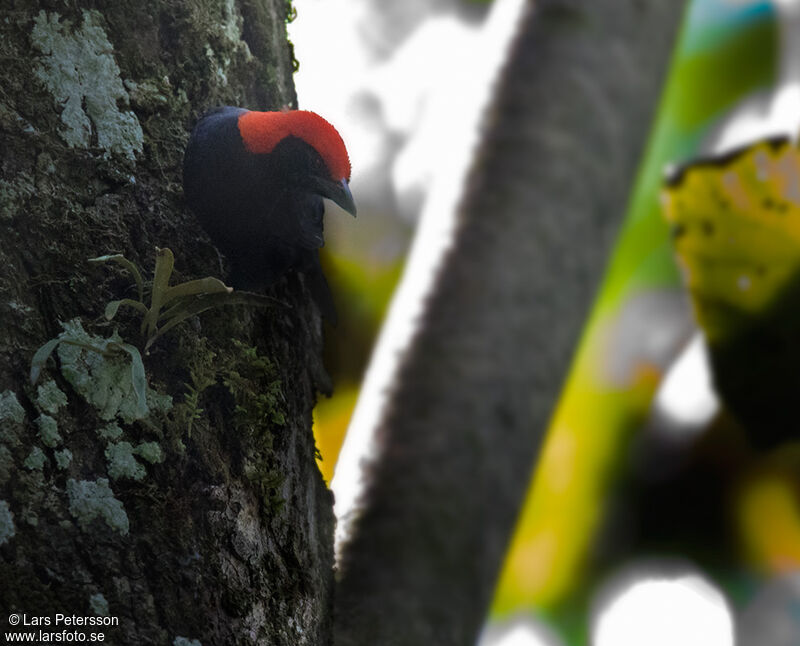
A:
[478, 383]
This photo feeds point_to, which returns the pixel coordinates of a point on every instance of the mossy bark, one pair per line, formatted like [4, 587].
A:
[205, 519]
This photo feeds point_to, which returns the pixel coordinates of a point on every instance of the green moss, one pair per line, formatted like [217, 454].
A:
[79, 70]
[10, 408]
[48, 431]
[253, 381]
[35, 460]
[63, 458]
[148, 96]
[291, 15]
[257, 405]
[291, 12]
[89, 500]
[122, 463]
[7, 529]
[99, 605]
[50, 397]
[200, 361]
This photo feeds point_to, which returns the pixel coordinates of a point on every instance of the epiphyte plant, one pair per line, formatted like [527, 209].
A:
[171, 305]
[168, 306]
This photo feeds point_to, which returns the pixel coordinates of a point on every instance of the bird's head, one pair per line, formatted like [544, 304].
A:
[308, 149]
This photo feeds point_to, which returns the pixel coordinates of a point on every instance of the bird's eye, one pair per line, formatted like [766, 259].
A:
[317, 165]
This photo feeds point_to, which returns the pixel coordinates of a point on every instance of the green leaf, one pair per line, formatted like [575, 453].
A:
[165, 263]
[177, 306]
[736, 233]
[127, 264]
[195, 287]
[138, 379]
[99, 349]
[41, 357]
[113, 306]
[205, 302]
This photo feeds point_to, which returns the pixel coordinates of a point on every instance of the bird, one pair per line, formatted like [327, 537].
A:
[256, 182]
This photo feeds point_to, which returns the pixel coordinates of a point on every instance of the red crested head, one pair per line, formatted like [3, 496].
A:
[262, 131]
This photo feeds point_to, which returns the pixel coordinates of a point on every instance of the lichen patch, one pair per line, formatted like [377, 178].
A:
[122, 463]
[50, 397]
[105, 382]
[63, 458]
[89, 500]
[36, 459]
[99, 604]
[10, 408]
[79, 69]
[184, 641]
[7, 529]
[48, 431]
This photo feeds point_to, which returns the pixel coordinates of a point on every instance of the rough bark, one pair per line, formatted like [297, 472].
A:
[205, 519]
[478, 384]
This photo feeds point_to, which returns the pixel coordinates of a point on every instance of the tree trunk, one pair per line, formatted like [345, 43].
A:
[478, 384]
[198, 513]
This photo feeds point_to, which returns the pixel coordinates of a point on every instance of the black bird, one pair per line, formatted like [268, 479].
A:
[256, 181]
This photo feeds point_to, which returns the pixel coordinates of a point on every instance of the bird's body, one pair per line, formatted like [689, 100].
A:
[256, 181]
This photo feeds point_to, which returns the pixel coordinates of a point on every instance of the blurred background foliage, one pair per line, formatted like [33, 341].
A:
[640, 321]
[657, 461]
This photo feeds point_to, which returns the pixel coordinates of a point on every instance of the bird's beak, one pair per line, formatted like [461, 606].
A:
[338, 192]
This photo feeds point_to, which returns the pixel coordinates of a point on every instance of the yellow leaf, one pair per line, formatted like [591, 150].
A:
[736, 231]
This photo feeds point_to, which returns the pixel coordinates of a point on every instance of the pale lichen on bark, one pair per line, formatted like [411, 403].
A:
[7, 529]
[95, 499]
[79, 69]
